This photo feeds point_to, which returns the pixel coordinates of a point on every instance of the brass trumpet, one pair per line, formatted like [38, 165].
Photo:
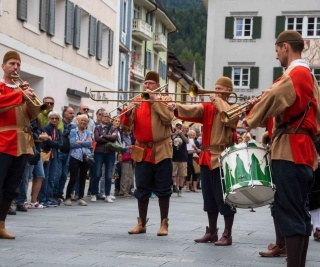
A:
[237, 111]
[143, 95]
[36, 102]
[194, 91]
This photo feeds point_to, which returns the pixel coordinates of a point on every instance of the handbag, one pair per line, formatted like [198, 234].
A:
[88, 158]
[115, 146]
[196, 167]
[45, 156]
[126, 156]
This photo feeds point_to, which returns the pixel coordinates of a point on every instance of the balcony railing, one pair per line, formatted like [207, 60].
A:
[138, 69]
[160, 42]
[141, 29]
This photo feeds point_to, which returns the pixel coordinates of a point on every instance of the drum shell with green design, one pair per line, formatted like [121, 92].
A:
[246, 176]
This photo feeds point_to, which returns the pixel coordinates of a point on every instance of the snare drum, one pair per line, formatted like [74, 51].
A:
[245, 176]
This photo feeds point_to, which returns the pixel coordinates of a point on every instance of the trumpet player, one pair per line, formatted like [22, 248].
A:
[217, 135]
[152, 152]
[15, 135]
[293, 104]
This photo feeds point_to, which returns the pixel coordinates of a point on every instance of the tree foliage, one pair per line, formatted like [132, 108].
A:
[189, 42]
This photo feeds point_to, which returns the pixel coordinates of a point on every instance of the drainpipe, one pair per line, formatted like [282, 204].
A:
[145, 42]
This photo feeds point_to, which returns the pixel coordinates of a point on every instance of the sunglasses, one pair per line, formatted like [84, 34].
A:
[54, 118]
[49, 103]
[85, 109]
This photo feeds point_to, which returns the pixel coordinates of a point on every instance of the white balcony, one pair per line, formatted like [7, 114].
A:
[160, 42]
[138, 70]
[141, 29]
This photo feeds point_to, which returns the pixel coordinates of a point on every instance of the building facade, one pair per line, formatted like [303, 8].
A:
[241, 37]
[68, 47]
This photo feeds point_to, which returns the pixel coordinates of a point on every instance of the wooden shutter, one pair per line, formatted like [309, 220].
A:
[110, 52]
[92, 35]
[280, 25]
[254, 77]
[99, 40]
[277, 72]
[69, 20]
[44, 14]
[52, 17]
[77, 27]
[256, 30]
[227, 71]
[22, 10]
[229, 28]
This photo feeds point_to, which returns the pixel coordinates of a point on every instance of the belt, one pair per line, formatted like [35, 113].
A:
[153, 145]
[25, 129]
[296, 131]
[219, 147]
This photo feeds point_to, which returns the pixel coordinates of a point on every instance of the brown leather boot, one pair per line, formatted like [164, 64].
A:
[208, 237]
[139, 229]
[225, 240]
[163, 231]
[274, 251]
[4, 234]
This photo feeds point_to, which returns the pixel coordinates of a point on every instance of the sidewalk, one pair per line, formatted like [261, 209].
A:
[97, 235]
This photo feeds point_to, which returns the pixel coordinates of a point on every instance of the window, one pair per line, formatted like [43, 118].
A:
[244, 78]
[313, 27]
[316, 73]
[240, 77]
[308, 25]
[149, 20]
[162, 69]
[29, 14]
[149, 60]
[136, 12]
[243, 27]
[295, 24]
[59, 28]
[104, 44]
[124, 16]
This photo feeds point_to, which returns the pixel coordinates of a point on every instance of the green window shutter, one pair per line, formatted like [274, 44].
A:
[77, 27]
[254, 77]
[110, 52]
[280, 25]
[229, 28]
[227, 71]
[22, 10]
[99, 41]
[52, 17]
[92, 36]
[277, 72]
[256, 31]
[44, 14]
[69, 22]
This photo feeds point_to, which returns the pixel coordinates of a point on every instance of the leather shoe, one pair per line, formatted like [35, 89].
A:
[274, 251]
[208, 237]
[316, 234]
[225, 240]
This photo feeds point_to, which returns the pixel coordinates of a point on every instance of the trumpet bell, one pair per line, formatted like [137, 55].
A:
[193, 90]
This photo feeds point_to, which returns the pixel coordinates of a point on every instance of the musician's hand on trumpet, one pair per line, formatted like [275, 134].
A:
[171, 106]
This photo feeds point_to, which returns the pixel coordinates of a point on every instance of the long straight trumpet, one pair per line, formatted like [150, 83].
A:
[143, 95]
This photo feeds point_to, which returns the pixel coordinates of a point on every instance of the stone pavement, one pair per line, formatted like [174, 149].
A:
[97, 235]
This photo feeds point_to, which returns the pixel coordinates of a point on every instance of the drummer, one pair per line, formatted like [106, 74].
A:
[216, 137]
